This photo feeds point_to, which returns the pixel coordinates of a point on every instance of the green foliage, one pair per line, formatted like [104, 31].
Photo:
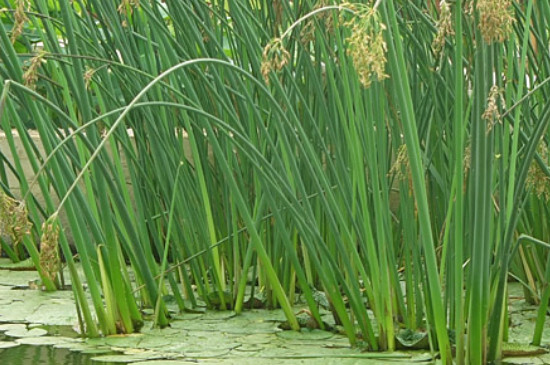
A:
[212, 149]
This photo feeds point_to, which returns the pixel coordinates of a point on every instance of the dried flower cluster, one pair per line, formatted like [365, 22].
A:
[495, 19]
[467, 161]
[31, 74]
[49, 248]
[537, 180]
[128, 5]
[366, 45]
[20, 18]
[444, 28]
[469, 7]
[324, 18]
[88, 75]
[274, 58]
[492, 112]
[401, 167]
[14, 220]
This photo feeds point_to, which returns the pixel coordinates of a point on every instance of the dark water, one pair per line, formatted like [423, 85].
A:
[44, 355]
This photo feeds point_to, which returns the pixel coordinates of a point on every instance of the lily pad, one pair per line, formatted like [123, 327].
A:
[124, 340]
[73, 346]
[126, 359]
[12, 326]
[17, 278]
[517, 349]
[305, 335]
[256, 339]
[151, 342]
[96, 341]
[44, 340]
[255, 315]
[218, 315]
[409, 339]
[163, 332]
[96, 351]
[522, 361]
[8, 344]
[165, 362]
[24, 332]
[250, 348]
[21, 265]
[57, 311]
[208, 354]
[5, 301]
[188, 316]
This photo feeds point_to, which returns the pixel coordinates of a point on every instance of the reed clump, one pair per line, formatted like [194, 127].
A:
[205, 154]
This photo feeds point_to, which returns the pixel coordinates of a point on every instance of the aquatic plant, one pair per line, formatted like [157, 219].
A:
[381, 153]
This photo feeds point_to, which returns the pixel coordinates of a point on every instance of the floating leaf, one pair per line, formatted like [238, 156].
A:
[44, 340]
[12, 327]
[127, 359]
[305, 335]
[409, 339]
[24, 332]
[8, 344]
[518, 349]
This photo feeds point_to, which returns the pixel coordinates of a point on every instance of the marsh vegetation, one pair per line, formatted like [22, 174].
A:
[390, 157]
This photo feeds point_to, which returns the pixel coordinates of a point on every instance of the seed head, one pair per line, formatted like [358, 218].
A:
[492, 113]
[14, 220]
[444, 28]
[401, 168]
[537, 180]
[274, 58]
[324, 18]
[495, 20]
[469, 8]
[467, 161]
[31, 74]
[88, 75]
[128, 5]
[49, 248]
[366, 45]
[20, 18]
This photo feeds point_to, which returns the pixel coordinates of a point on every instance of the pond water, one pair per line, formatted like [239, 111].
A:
[44, 355]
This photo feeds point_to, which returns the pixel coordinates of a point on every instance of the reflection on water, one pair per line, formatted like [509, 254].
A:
[43, 355]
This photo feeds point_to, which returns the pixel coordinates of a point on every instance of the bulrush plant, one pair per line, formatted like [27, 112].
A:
[380, 155]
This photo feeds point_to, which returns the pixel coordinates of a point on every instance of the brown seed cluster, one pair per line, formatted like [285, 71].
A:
[401, 167]
[128, 5]
[274, 58]
[49, 248]
[324, 18]
[88, 75]
[495, 19]
[444, 28]
[537, 181]
[366, 45]
[467, 161]
[30, 77]
[492, 112]
[14, 221]
[20, 18]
